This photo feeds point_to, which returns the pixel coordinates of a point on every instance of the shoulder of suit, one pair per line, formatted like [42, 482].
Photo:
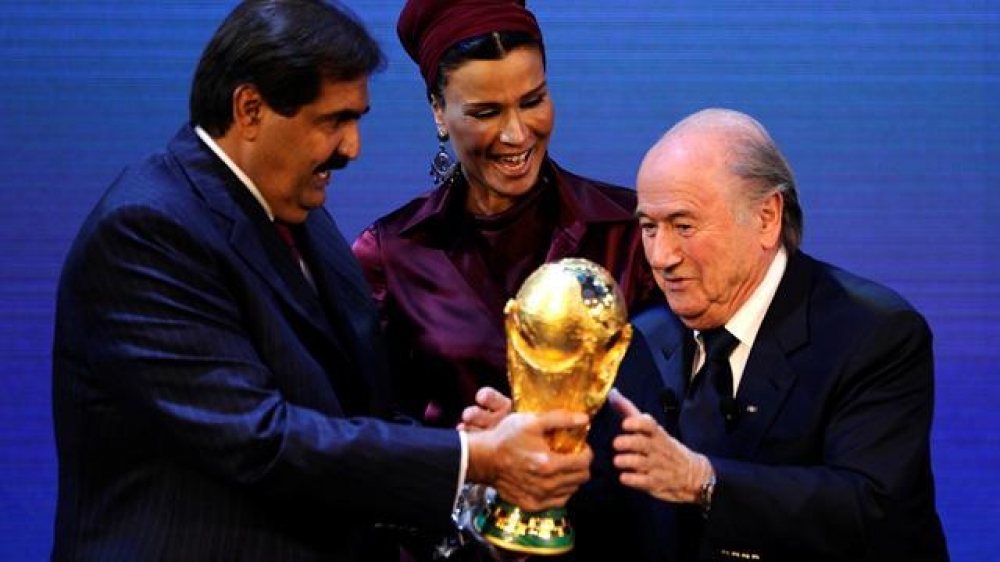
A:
[155, 184]
[657, 323]
[863, 292]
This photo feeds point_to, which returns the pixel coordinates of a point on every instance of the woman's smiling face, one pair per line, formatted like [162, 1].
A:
[499, 116]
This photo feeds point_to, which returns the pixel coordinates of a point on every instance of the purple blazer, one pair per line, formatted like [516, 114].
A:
[443, 315]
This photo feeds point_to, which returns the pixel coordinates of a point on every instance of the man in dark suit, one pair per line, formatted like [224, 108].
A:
[792, 414]
[219, 388]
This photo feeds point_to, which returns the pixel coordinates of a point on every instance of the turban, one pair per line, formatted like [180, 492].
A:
[428, 28]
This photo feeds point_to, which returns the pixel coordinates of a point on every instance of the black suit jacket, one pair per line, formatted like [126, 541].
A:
[830, 458]
[203, 391]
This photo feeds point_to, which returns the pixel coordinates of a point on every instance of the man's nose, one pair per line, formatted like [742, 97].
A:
[663, 251]
[350, 144]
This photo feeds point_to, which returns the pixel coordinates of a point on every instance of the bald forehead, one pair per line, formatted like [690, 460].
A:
[710, 135]
[724, 122]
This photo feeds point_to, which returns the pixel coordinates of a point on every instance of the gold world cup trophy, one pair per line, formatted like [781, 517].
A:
[567, 331]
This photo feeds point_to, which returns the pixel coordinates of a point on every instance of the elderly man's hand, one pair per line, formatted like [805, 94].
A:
[514, 457]
[650, 459]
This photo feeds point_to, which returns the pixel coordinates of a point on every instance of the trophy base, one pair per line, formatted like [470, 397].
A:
[543, 533]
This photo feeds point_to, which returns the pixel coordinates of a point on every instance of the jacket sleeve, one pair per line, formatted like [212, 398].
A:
[167, 340]
[874, 467]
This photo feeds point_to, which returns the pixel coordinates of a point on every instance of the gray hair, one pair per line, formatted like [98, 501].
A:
[757, 159]
[754, 157]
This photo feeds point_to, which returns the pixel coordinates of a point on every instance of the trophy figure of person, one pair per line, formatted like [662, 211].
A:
[567, 330]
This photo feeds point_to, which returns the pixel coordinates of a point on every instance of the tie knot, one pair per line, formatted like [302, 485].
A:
[288, 237]
[285, 231]
[719, 343]
[286, 234]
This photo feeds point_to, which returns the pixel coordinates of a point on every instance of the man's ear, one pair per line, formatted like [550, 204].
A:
[770, 215]
[248, 108]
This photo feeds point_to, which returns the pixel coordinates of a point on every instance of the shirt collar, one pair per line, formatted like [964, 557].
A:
[245, 179]
[745, 324]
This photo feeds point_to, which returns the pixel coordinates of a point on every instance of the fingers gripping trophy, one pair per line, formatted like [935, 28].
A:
[567, 331]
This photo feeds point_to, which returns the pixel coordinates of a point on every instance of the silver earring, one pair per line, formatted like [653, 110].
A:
[442, 165]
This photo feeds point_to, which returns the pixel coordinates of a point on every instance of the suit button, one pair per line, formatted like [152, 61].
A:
[668, 402]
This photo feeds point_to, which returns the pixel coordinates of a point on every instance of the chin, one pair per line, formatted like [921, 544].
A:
[316, 200]
[518, 187]
[682, 309]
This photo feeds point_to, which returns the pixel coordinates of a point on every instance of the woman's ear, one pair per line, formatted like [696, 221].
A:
[437, 110]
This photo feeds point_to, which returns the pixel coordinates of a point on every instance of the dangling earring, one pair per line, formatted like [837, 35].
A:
[442, 165]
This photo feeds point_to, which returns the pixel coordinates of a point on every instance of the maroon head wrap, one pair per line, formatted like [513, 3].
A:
[428, 28]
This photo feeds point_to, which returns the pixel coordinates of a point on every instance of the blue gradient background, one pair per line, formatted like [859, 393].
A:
[887, 110]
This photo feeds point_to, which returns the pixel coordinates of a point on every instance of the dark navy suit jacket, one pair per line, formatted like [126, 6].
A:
[830, 458]
[207, 399]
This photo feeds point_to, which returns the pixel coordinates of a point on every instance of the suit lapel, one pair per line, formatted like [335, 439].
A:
[351, 309]
[666, 337]
[768, 376]
[675, 378]
[251, 234]
[267, 255]
[337, 274]
[766, 383]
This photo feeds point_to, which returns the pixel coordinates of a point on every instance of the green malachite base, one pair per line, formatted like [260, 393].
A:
[533, 532]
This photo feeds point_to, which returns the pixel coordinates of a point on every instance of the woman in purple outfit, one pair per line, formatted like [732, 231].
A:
[442, 266]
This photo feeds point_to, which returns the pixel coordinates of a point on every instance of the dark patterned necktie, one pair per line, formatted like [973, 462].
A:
[288, 237]
[352, 392]
[709, 411]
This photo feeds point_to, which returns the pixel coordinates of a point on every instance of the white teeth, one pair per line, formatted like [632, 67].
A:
[324, 174]
[515, 160]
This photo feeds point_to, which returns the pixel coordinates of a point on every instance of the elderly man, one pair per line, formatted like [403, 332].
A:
[794, 404]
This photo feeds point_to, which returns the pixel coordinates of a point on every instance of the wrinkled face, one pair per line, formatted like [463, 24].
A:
[708, 247]
[290, 158]
[499, 117]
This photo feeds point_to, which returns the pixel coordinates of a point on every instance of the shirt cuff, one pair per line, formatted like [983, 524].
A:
[462, 467]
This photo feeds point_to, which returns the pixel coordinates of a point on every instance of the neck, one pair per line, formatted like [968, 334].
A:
[749, 286]
[486, 204]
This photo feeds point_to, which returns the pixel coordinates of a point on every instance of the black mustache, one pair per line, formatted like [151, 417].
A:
[334, 162]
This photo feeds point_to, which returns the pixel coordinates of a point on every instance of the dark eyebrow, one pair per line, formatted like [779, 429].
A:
[536, 90]
[475, 106]
[345, 115]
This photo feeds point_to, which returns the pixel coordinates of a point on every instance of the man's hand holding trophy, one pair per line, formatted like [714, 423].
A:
[567, 331]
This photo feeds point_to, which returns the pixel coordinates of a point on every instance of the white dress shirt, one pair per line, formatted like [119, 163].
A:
[745, 324]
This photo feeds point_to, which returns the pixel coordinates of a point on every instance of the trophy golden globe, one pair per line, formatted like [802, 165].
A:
[567, 331]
